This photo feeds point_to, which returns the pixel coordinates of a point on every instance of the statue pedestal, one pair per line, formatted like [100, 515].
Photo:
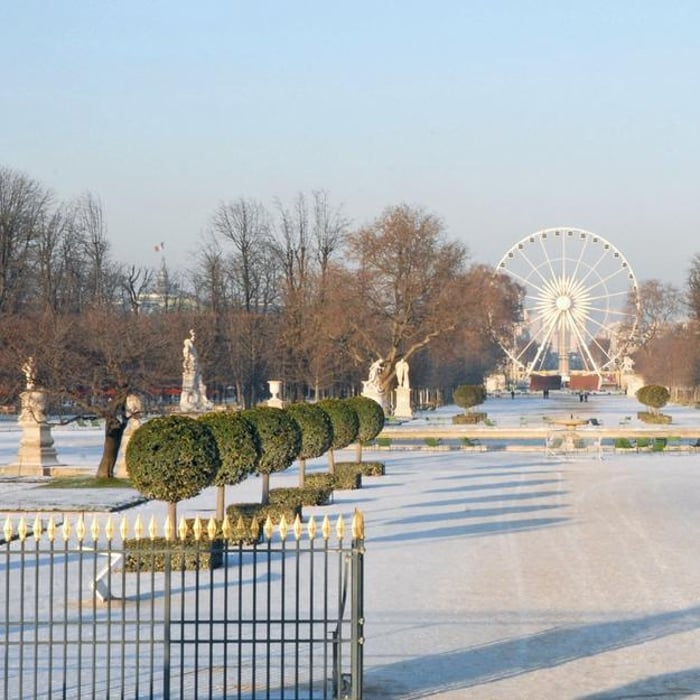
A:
[36, 453]
[275, 387]
[403, 403]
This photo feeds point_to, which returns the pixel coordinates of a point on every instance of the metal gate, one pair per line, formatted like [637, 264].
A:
[199, 615]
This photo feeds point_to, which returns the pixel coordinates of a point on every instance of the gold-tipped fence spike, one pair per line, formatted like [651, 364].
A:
[358, 525]
[37, 528]
[22, 529]
[182, 529]
[269, 528]
[340, 527]
[197, 529]
[326, 527]
[226, 528]
[240, 526]
[80, 528]
[109, 528]
[94, 529]
[66, 529]
[311, 527]
[169, 529]
[124, 528]
[51, 529]
[255, 528]
[298, 529]
[212, 528]
[283, 527]
[138, 527]
[152, 528]
[7, 531]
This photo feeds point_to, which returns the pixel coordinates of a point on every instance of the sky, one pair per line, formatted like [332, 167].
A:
[502, 118]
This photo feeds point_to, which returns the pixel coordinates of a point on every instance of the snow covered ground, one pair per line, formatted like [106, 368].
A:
[502, 574]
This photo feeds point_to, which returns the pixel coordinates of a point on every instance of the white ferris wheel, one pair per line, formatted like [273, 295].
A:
[581, 303]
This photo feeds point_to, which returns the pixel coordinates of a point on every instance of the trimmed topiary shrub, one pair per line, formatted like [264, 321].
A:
[172, 458]
[279, 438]
[301, 496]
[467, 396]
[239, 450]
[189, 555]
[655, 397]
[324, 481]
[371, 422]
[365, 468]
[654, 418]
[316, 433]
[469, 418]
[249, 518]
[345, 424]
[347, 476]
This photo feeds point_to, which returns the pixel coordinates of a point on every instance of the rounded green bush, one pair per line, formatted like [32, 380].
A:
[237, 441]
[172, 458]
[279, 437]
[316, 429]
[653, 395]
[370, 415]
[343, 419]
[469, 395]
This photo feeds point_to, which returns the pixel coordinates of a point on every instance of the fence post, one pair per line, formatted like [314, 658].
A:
[357, 615]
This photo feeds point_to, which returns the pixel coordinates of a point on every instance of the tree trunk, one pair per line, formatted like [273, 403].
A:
[114, 430]
[302, 472]
[331, 461]
[265, 489]
[358, 452]
[220, 502]
[172, 515]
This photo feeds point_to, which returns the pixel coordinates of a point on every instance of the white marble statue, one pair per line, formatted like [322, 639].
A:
[29, 370]
[372, 386]
[193, 398]
[402, 373]
[375, 370]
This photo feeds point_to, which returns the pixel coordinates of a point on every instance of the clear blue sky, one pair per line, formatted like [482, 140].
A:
[501, 117]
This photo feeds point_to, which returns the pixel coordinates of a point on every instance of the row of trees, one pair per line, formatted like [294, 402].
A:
[293, 293]
[174, 457]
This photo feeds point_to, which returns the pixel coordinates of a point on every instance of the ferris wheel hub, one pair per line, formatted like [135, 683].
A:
[564, 303]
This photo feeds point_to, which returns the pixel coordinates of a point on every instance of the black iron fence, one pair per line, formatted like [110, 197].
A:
[96, 610]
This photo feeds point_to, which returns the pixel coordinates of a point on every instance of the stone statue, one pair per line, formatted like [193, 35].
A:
[193, 398]
[190, 361]
[37, 454]
[372, 387]
[134, 413]
[29, 369]
[402, 373]
[375, 369]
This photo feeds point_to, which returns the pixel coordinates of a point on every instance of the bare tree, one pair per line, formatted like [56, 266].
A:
[242, 229]
[93, 230]
[407, 281]
[693, 287]
[24, 205]
[661, 306]
[135, 283]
